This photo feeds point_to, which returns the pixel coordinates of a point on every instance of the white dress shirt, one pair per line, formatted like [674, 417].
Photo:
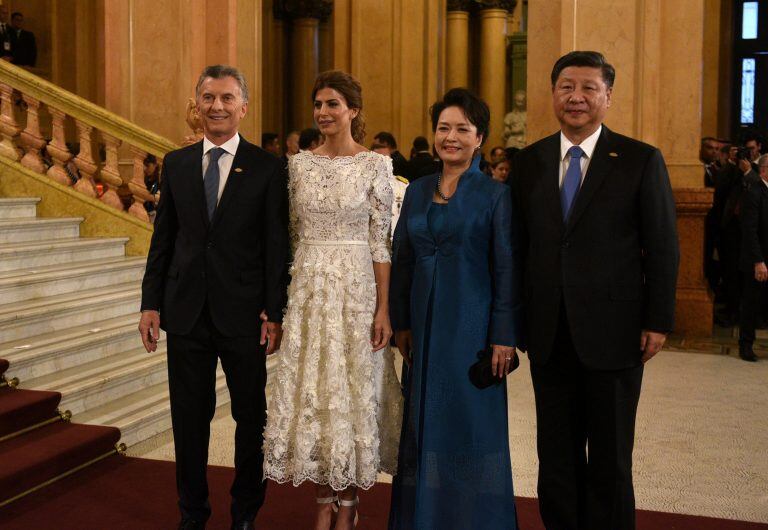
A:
[588, 146]
[225, 161]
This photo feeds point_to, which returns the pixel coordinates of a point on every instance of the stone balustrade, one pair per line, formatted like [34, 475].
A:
[102, 136]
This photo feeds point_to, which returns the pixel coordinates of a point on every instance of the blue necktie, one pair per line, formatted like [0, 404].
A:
[211, 180]
[571, 181]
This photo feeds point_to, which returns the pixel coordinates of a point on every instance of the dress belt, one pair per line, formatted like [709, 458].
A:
[333, 243]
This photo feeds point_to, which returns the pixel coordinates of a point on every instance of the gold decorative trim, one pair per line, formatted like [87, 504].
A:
[83, 110]
[57, 478]
[30, 428]
[11, 383]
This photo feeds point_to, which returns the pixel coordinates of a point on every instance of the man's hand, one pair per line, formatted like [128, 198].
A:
[502, 359]
[404, 343]
[149, 327]
[761, 272]
[651, 343]
[744, 165]
[271, 334]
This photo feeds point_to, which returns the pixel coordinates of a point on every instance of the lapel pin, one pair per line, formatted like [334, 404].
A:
[238, 170]
[615, 155]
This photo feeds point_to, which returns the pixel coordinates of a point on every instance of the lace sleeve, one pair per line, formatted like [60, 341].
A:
[293, 218]
[380, 200]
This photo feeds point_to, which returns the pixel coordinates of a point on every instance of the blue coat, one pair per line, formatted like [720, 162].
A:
[457, 291]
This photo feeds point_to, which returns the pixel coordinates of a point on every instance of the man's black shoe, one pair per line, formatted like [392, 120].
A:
[191, 524]
[242, 525]
[747, 354]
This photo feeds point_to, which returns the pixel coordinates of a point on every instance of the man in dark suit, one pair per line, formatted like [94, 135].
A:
[422, 163]
[217, 260]
[5, 34]
[399, 163]
[754, 255]
[600, 257]
[23, 47]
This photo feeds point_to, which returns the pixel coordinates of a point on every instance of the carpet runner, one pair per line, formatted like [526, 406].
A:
[123, 493]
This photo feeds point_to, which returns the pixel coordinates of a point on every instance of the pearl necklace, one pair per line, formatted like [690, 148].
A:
[439, 190]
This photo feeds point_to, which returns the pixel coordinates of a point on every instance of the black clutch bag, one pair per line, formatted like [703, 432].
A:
[480, 373]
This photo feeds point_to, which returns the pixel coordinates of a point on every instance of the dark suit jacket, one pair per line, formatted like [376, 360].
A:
[237, 263]
[614, 264]
[421, 165]
[23, 47]
[754, 226]
[399, 164]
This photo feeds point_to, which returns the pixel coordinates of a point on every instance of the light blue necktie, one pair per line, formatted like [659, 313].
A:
[571, 181]
[211, 180]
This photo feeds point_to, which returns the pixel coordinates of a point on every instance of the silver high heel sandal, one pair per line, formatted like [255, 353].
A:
[351, 504]
[333, 501]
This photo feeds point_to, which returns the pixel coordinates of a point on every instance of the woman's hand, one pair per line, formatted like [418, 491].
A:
[382, 330]
[502, 359]
[404, 343]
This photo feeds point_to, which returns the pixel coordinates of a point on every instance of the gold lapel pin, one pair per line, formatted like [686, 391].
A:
[238, 170]
[615, 155]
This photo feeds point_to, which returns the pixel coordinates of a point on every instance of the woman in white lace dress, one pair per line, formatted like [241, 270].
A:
[335, 411]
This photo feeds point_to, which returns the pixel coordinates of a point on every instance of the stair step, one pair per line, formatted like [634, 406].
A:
[41, 253]
[38, 229]
[145, 413]
[104, 380]
[37, 356]
[45, 453]
[20, 409]
[18, 207]
[19, 285]
[27, 319]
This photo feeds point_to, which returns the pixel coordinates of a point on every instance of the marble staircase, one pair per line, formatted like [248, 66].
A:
[68, 323]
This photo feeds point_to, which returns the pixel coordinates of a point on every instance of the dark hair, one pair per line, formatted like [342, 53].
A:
[496, 162]
[420, 144]
[16, 14]
[350, 88]
[751, 135]
[150, 159]
[584, 58]
[496, 147]
[708, 139]
[386, 138]
[307, 137]
[219, 71]
[267, 138]
[475, 109]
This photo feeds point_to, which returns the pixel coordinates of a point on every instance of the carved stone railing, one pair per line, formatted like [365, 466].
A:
[96, 127]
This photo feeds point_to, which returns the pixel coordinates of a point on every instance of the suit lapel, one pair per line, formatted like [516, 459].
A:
[197, 188]
[237, 173]
[600, 166]
[549, 157]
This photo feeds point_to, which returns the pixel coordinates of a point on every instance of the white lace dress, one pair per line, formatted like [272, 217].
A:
[335, 413]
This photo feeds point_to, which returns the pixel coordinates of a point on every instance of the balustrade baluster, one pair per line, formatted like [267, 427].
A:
[84, 161]
[138, 187]
[31, 138]
[110, 174]
[58, 149]
[9, 129]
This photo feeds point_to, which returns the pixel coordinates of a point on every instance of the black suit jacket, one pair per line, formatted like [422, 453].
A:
[237, 263]
[614, 264]
[421, 165]
[23, 47]
[754, 225]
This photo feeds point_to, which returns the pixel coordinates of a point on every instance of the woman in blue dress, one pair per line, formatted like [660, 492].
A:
[455, 291]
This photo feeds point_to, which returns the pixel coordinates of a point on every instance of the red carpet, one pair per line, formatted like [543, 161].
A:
[137, 494]
[22, 408]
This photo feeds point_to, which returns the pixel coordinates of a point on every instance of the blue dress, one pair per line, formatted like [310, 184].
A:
[455, 285]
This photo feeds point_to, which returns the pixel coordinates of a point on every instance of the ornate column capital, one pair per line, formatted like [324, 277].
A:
[507, 5]
[288, 9]
[460, 5]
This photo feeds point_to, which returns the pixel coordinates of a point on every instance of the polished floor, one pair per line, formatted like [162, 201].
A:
[702, 433]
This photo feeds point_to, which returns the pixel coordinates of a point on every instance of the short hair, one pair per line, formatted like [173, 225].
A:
[150, 159]
[297, 133]
[709, 139]
[753, 137]
[386, 138]
[584, 58]
[349, 87]
[475, 109]
[494, 163]
[267, 138]
[219, 71]
[307, 137]
[16, 14]
[420, 144]
[497, 147]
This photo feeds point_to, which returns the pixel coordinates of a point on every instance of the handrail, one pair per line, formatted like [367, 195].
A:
[83, 110]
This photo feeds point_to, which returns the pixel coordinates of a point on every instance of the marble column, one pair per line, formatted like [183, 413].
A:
[457, 44]
[492, 58]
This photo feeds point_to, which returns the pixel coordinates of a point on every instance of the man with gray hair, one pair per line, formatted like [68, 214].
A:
[217, 261]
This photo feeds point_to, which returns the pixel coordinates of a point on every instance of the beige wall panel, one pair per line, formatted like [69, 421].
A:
[711, 70]
[544, 47]
[249, 59]
[62, 44]
[341, 20]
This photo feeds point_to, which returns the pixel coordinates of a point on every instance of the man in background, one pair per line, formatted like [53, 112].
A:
[270, 143]
[310, 139]
[23, 47]
[422, 163]
[399, 163]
